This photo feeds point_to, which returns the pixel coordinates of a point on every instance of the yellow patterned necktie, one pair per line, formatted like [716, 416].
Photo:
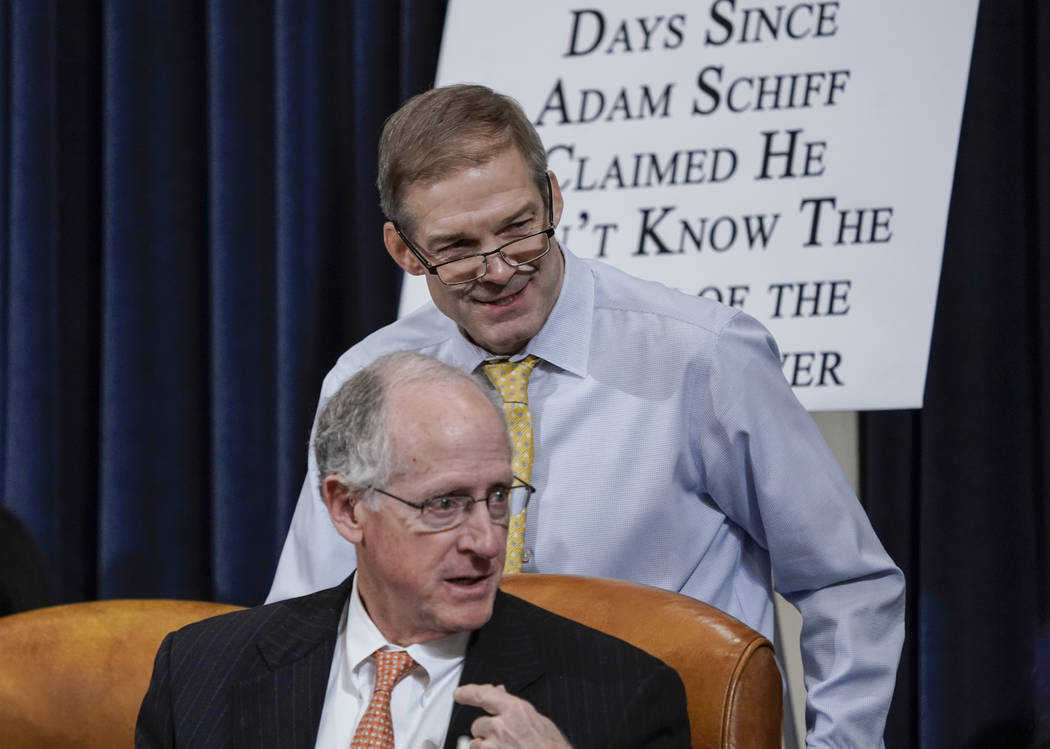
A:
[512, 381]
[376, 728]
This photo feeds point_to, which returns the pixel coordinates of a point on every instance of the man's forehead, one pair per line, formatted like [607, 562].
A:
[465, 453]
[507, 167]
[428, 410]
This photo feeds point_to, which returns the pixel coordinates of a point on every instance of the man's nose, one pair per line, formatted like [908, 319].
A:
[497, 270]
[480, 535]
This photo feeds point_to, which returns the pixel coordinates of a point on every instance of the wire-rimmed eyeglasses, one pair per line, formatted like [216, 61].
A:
[447, 511]
[517, 252]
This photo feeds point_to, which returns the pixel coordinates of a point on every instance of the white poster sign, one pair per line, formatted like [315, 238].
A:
[793, 159]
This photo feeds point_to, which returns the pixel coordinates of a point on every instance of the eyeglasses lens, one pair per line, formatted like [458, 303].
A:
[520, 252]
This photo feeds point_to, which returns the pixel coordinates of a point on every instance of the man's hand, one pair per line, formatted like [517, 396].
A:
[511, 721]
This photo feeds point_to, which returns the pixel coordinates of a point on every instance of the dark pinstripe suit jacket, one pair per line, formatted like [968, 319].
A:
[257, 678]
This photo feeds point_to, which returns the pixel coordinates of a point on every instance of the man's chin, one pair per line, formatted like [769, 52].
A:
[469, 616]
[500, 337]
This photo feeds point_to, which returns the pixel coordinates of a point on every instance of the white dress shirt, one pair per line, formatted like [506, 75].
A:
[420, 704]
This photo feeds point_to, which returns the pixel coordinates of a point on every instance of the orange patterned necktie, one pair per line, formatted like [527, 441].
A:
[512, 381]
[376, 729]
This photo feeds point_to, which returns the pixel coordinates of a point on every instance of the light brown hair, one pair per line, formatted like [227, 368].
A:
[445, 129]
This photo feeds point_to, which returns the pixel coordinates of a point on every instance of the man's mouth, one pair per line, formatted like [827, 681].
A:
[503, 301]
[468, 581]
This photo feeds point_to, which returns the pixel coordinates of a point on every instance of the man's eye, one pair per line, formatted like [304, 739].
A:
[521, 227]
[499, 497]
[452, 253]
[452, 246]
[443, 504]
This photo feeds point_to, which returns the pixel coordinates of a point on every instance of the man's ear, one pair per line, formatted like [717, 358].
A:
[556, 200]
[343, 508]
[399, 251]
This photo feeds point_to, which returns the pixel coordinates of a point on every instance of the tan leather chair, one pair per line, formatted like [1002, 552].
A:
[732, 683]
[75, 675]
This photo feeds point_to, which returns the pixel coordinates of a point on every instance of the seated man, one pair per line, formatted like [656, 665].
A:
[416, 474]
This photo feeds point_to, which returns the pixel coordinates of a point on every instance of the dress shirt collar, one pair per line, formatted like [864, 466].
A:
[564, 340]
[362, 638]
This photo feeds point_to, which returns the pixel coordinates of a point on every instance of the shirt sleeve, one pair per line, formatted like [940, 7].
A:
[770, 471]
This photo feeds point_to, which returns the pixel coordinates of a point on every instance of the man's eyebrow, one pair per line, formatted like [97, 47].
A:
[518, 214]
[463, 491]
[439, 241]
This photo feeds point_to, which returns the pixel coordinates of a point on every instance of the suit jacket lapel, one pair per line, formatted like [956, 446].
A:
[503, 652]
[280, 704]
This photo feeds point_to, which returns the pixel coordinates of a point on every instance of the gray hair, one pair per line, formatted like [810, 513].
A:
[352, 439]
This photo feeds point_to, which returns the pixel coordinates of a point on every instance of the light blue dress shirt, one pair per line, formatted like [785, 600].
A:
[670, 450]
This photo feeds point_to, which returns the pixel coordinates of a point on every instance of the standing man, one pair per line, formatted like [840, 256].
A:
[416, 474]
[667, 447]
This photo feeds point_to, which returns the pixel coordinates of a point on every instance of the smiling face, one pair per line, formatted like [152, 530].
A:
[419, 585]
[477, 209]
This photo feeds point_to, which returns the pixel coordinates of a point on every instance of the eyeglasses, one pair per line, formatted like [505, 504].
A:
[518, 252]
[446, 512]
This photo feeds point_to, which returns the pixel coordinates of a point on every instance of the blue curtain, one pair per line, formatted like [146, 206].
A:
[960, 491]
[190, 236]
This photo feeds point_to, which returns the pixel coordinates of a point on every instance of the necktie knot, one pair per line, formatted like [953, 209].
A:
[391, 667]
[511, 378]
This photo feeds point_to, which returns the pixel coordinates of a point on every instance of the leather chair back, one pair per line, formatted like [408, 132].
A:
[732, 683]
[75, 675]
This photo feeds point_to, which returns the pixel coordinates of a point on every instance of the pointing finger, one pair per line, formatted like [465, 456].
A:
[491, 699]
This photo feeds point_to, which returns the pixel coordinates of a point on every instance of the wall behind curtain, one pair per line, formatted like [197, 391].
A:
[189, 236]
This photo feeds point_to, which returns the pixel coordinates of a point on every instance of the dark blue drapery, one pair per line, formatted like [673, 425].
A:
[189, 235]
[960, 491]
